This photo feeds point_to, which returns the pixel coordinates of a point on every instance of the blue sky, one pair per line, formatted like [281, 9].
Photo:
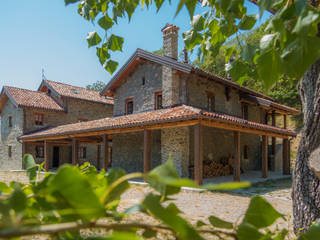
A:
[46, 34]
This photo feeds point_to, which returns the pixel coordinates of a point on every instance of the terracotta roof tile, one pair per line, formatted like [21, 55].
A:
[32, 99]
[179, 113]
[67, 90]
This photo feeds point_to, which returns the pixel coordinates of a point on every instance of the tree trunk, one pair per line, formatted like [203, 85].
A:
[306, 186]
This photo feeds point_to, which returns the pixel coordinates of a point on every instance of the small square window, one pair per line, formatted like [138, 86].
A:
[83, 152]
[129, 106]
[211, 102]
[9, 151]
[39, 151]
[158, 100]
[10, 121]
[245, 111]
[38, 119]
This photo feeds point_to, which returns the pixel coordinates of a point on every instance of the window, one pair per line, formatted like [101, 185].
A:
[245, 151]
[143, 81]
[82, 120]
[39, 151]
[83, 152]
[38, 119]
[158, 100]
[211, 102]
[245, 111]
[10, 151]
[10, 121]
[129, 106]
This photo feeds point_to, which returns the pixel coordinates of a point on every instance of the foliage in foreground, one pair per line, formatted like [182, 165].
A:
[66, 203]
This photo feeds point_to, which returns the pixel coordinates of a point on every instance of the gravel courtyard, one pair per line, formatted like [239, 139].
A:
[229, 206]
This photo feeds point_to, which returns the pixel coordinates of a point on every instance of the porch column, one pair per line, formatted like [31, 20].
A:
[264, 153]
[24, 151]
[236, 159]
[146, 151]
[284, 121]
[106, 152]
[273, 144]
[46, 156]
[98, 156]
[198, 154]
[75, 152]
[285, 157]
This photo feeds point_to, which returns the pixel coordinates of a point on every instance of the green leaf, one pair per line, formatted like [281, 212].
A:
[307, 23]
[75, 189]
[31, 167]
[238, 70]
[246, 231]
[18, 200]
[115, 43]
[192, 39]
[198, 23]
[159, 4]
[248, 53]
[264, 5]
[67, 2]
[247, 22]
[219, 223]
[4, 188]
[105, 22]
[282, 235]
[93, 39]
[260, 213]
[103, 54]
[114, 175]
[111, 66]
[313, 233]
[190, 5]
[177, 223]
[200, 223]
[149, 233]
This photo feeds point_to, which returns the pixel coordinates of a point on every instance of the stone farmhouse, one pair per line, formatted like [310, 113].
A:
[210, 125]
[24, 111]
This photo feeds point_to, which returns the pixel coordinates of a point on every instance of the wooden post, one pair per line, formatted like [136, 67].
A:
[236, 158]
[264, 153]
[147, 151]
[285, 157]
[75, 152]
[273, 144]
[46, 156]
[285, 121]
[24, 151]
[198, 154]
[98, 156]
[106, 152]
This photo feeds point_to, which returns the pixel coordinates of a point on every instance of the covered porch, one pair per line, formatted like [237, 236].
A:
[100, 133]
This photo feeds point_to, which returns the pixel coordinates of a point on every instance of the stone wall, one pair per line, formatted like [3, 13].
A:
[128, 151]
[9, 137]
[132, 87]
[175, 141]
[76, 110]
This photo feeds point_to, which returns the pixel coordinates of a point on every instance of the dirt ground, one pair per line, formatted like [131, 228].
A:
[195, 206]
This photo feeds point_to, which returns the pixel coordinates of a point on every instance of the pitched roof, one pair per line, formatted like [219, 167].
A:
[183, 67]
[179, 113]
[75, 92]
[29, 99]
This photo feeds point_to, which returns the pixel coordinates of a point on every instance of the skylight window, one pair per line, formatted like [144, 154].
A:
[75, 91]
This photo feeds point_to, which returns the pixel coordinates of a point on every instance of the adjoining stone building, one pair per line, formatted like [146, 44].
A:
[163, 106]
[53, 104]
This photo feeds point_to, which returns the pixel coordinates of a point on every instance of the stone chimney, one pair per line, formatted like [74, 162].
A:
[170, 79]
[170, 41]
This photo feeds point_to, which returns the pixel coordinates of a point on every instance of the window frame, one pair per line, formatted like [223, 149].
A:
[128, 100]
[83, 152]
[10, 121]
[156, 102]
[39, 151]
[211, 107]
[10, 151]
[245, 111]
[36, 121]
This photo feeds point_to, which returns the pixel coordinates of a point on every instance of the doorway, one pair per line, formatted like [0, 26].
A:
[55, 162]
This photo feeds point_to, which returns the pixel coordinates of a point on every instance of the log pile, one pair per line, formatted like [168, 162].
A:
[216, 169]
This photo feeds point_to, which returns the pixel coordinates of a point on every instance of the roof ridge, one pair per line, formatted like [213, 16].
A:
[24, 89]
[71, 85]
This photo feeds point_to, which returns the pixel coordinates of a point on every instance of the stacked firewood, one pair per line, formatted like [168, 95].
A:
[216, 169]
